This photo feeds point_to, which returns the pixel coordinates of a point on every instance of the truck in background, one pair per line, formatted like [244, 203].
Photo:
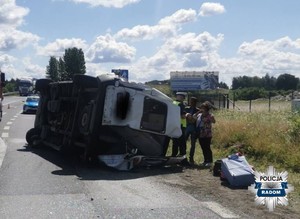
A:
[25, 86]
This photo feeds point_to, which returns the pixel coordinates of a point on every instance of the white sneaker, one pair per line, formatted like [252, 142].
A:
[208, 164]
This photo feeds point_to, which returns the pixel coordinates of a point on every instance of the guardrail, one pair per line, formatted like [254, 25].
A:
[10, 93]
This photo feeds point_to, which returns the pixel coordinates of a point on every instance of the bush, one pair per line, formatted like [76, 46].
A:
[269, 138]
[9, 87]
[250, 93]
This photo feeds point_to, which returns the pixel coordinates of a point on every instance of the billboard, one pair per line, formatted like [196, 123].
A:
[122, 73]
[194, 80]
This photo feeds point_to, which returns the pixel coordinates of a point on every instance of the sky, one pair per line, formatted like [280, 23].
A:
[151, 38]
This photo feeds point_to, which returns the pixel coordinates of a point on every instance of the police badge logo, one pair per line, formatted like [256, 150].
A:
[271, 188]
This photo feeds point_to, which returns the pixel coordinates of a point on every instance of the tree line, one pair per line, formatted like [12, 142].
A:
[247, 88]
[283, 82]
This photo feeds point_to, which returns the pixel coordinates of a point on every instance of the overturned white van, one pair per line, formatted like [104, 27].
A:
[105, 118]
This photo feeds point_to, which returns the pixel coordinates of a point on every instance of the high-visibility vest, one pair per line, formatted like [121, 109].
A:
[182, 120]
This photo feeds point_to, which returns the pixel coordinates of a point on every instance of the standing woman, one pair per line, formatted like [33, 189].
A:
[205, 119]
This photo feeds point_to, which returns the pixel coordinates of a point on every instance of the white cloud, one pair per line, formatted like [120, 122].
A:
[107, 3]
[260, 57]
[286, 43]
[194, 51]
[94, 69]
[192, 43]
[33, 70]
[256, 49]
[58, 47]
[11, 38]
[7, 66]
[191, 52]
[263, 49]
[282, 62]
[166, 27]
[210, 9]
[6, 59]
[179, 17]
[107, 49]
[144, 32]
[11, 14]
[188, 52]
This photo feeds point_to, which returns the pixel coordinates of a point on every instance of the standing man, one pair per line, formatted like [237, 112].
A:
[191, 126]
[180, 143]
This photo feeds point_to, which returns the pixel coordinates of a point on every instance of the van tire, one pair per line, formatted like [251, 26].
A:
[33, 137]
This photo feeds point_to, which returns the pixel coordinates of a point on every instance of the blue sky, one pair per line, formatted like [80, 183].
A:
[150, 38]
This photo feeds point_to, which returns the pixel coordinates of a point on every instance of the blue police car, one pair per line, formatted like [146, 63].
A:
[31, 104]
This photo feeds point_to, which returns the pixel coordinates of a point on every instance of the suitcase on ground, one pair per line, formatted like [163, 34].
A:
[237, 171]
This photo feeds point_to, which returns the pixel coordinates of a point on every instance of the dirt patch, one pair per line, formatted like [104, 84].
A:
[202, 185]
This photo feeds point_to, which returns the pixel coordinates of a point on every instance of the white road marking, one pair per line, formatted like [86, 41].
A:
[219, 209]
[4, 135]
[2, 150]
[6, 127]
[13, 119]
[8, 123]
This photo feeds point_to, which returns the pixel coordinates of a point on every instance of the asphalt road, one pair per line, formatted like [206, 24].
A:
[41, 183]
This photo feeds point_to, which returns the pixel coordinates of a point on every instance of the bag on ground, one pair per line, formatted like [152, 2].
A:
[217, 168]
[237, 171]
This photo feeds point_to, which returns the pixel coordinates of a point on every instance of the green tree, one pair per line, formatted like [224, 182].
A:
[241, 82]
[10, 86]
[74, 62]
[256, 82]
[52, 69]
[62, 70]
[269, 82]
[223, 85]
[250, 93]
[287, 82]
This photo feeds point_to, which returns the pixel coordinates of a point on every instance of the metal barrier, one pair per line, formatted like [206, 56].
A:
[10, 93]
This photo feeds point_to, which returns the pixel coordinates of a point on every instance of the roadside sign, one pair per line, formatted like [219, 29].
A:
[194, 80]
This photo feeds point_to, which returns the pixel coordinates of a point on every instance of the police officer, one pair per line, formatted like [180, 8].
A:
[180, 143]
[191, 126]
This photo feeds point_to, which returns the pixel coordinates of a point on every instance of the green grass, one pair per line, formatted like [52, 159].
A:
[265, 138]
[269, 134]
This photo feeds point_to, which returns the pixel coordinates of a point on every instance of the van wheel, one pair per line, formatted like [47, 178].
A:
[84, 120]
[33, 137]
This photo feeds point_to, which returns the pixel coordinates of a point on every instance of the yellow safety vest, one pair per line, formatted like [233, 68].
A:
[182, 121]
